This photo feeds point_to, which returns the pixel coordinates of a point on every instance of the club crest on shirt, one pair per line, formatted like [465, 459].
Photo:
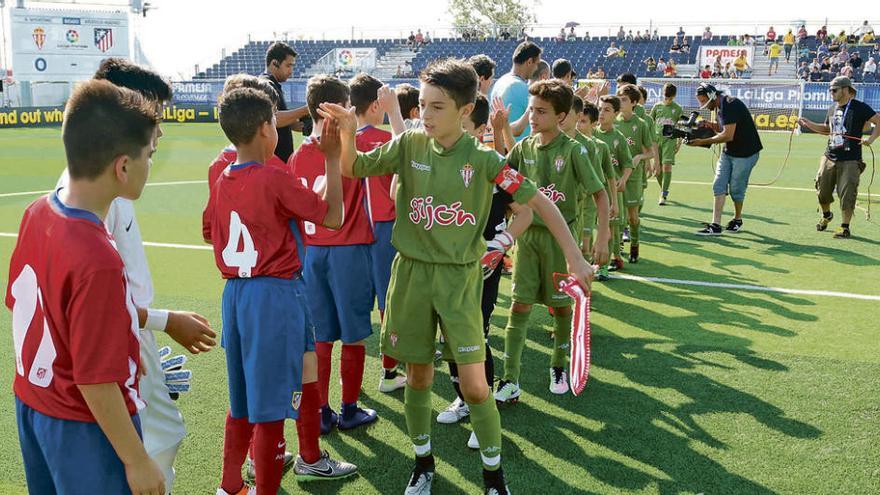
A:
[467, 173]
[635, 127]
[297, 399]
[559, 162]
[616, 143]
[393, 339]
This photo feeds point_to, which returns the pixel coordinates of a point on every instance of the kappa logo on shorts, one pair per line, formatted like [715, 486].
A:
[552, 194]
[635, 127]
[470, 348]
[297, 399]
[616, 143]
[559, 162]
[443, 215]
[420, 166]
[528, 161]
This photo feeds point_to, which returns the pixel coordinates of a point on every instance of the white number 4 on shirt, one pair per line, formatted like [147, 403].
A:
[246, 259]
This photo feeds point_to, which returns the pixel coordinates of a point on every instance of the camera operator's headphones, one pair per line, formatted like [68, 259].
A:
[708, 91]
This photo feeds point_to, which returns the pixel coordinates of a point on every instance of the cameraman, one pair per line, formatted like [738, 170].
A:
[735, 128]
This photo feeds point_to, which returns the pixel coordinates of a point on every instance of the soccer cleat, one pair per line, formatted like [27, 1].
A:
[457, 410]
[353, 416]
[420, 480]
[625, 235]
[507, 392]
[616, 264]
[251, 470]
[633, 254]
[603, 274]
[497, 491]
[734, 225]
[329, 419]
[473, 442]
[245, 490]
[710, 229]
[662, 200]
[494, 484]
[824, 221]
[438, 355]
[842, 233]
[324, 468]
[391, 380]
[558, 381]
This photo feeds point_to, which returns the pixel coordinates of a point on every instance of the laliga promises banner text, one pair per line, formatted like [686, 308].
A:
[355, 58]
[708, 54]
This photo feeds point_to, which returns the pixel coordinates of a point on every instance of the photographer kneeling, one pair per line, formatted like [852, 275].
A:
[735, 128]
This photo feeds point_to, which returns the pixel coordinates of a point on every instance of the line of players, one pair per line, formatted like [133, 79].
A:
[264, 276]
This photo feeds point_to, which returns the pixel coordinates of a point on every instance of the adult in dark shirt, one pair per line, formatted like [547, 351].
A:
[279, 67]
[742, 146]
[842, 164]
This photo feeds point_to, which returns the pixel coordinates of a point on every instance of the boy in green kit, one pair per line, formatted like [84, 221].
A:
[600, 157]
[652, 169]
[638, 138]
[446, 178]
[666, 112]
[561, 168]
[621, 159]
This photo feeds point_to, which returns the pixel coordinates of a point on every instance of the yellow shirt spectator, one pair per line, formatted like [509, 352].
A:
[788, 39]
[774, 50]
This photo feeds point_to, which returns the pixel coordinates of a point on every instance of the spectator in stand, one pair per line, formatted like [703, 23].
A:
[718, 67]
[600, 74]
[803, 71]
[741, 65]
[411, 40]
[571, 35]
[676, 46]
[734, 41]
[399, 72]
[822, 34]
[867, 39]
[825, 65]
[629, 35]
[427, 37]
[814, 63]
[802, 33]
[670, 69]
[803, 51]
[685, 46]
[773, 52]
[622, 52]
[706, 73]
[707, 34]
[621, 34]
[561, 36]
[788, 44]
[769, 38]
[846, 71]
[650, 64]
[420, 40]
[823, 51]
[638, 36]
[855, 61]
[680, 33]
[729, 71]
[612, 51]
[661, 65]
[505, 34]
[466, 35]
[865, 28]
[842, 57]
[869, 72]
[586, 36]
[655, 36]
[815, 75]
[748, 40]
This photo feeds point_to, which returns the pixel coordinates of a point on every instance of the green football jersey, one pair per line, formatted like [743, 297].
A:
[637, 134]
[665, 115]
[621, 158]
[595, 154]
[561, 169]
[643, 114]
[444, 195]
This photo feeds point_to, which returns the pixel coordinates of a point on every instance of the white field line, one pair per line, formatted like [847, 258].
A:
[799, 189]
[149, 184]
[634, 278]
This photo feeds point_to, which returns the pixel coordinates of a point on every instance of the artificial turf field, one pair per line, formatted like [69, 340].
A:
[693, 389]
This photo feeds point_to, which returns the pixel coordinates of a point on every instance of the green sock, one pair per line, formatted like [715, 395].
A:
[417, 409]
[667, 179]
[561, 340]
[514, 342]
[487, 426]
[634, 233]
[614, 243]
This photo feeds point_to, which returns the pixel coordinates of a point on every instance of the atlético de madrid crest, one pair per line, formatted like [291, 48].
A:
[467, 173]
[560, 162]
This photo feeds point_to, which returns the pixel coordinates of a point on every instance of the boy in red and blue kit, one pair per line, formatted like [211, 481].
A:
[75, 325]
[337, 269]
[267, 330]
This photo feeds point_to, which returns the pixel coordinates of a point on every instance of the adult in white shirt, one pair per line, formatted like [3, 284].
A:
[870, 67]
[612, 51]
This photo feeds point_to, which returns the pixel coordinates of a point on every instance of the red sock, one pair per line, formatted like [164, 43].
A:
[324, 350]
[381, 315]
[308, 426]
[235, 446]
[352, 371]
[388, 362]
[269, 449]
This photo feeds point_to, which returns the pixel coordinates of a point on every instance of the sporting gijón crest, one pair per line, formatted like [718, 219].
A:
[103, 39]
[560, 163]
[552, 194]
[467, 173]
[424, 209]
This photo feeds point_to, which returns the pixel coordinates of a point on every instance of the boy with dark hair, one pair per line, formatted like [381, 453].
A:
[638, 138]
[265, 298]
[446, 180]
[485, 69]
[621, 159]
[125, 74]
[579, 126]
[499, 236]
[75, 325]
[653, 167]
[337, 264]
[408, 100]
[666, 112]
[562, 169]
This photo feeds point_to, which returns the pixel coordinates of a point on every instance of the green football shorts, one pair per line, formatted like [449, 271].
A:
[422, 296]
[536, 259]
[667, 151]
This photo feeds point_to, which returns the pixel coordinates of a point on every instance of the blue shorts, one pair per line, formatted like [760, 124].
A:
[68, 457]
[732, 175]
[340, 292]
[382, 253]
[266, 330]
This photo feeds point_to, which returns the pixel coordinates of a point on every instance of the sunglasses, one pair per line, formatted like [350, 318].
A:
[833, 90]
